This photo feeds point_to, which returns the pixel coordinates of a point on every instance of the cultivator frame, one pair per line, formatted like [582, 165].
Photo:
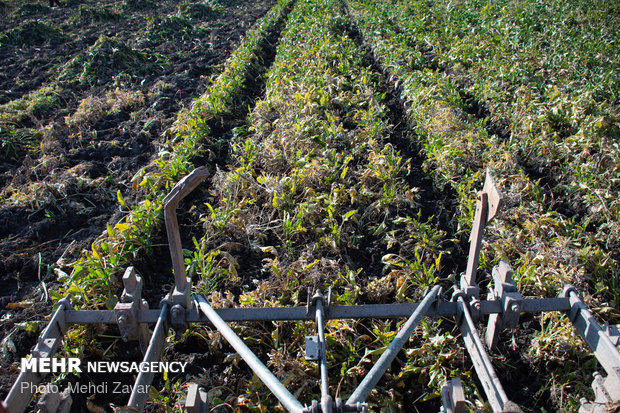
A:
[503, 306]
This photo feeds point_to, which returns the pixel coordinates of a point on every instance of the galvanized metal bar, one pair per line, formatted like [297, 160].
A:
[372, 377]
[263, 373]
[20, 394]
[171, 201]
[531, 305]
[326, 402]
[595, 336]
[482, 364]
[139, 395]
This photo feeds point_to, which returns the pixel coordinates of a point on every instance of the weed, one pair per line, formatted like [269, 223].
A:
[107, 58]
[88, 15]
[31, 9]
[31, 33]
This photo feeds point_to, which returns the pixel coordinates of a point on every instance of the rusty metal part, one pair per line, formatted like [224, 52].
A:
[489, 203]
[505, 292]
[181, 294]
[504, 305]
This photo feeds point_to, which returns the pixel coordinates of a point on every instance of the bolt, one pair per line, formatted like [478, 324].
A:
[176, 312]
[123, 320]
[515, 308]
[476, 305]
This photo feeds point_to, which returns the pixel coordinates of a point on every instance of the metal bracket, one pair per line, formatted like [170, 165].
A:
[196, 400]
[512, 303]
[453, 397]
[54, 402]
[126, 311]
[489, 202]
[312, 348]
[603, 346]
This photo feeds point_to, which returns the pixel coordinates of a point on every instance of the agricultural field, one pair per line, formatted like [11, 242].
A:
[346, 141]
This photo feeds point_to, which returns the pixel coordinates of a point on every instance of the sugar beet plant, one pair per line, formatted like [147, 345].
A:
[314, 181]
[545, 244]
[94, 280]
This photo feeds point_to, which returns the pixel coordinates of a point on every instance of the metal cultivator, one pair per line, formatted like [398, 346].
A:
[503, 306]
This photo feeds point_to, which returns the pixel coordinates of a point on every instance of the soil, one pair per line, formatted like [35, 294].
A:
[67, 180]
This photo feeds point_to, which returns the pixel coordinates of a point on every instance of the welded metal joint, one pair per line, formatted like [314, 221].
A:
[182, 291]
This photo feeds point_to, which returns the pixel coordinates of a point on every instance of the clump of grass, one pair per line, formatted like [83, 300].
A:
[172, 27]
[107, 58]
[31, 33]
[201, 10]
[86, 15]
[31, 9]
[42, 99]
[94, 108]
[138, 4]
[14, 141]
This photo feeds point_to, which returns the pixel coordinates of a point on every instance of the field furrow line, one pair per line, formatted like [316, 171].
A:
[540, 243]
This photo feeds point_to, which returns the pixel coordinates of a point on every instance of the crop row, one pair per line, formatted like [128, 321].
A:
[316, 187]
[548, 71]
[544, 247]
[94, 279]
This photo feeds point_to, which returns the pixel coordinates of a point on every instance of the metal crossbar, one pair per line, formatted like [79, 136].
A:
[179, 309]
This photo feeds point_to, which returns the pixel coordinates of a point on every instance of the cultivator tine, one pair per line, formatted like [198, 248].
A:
[489, 202]
[20, 394]
[181, 294]
[139, 393]
[372, 377]
[603, 345]
[482, 364]
[506, 292]
[453, 397]
[55, 402]
[196, 400]
[267, 377]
